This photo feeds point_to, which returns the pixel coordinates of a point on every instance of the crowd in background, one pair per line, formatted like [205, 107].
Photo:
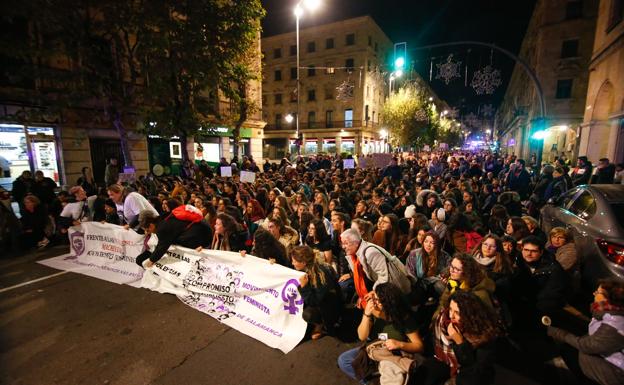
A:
[441, 253]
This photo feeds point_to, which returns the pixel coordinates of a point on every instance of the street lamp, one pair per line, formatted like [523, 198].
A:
[288, 118]
[298, 11]
[393, 76]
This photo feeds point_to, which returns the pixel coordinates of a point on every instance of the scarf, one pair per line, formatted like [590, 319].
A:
[598, 309]
[453, 285]
[359, 281]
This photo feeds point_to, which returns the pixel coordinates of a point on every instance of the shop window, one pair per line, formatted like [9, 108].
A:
[311, 146]
[569, 48]
[347, 146]
[564, 89]
[329, 146]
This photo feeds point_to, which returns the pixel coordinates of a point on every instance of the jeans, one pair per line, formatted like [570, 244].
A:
[347, 287]
[345, 360]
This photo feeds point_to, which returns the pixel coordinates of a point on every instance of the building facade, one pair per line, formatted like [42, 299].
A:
[602, 132]
[342, 88]
[61, 143]
[557, 47]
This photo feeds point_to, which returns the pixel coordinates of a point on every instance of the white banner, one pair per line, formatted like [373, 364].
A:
[245, 293]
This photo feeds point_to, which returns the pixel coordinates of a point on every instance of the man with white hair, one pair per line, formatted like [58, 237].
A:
[372, 265]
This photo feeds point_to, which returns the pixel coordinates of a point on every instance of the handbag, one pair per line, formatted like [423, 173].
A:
[363, 367]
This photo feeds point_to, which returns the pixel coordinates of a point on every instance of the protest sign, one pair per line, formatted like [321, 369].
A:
[247, 177]
[348, 163]
[102, 251]
[226, 171]
[245, 293]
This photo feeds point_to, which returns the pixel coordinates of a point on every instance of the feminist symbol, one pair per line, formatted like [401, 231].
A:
[289, 295]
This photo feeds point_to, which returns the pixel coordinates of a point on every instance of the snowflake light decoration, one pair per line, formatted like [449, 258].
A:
[421, 115]
[344, 91]
[471, 120]
[485, 81]
[487, 110]
[448, 70]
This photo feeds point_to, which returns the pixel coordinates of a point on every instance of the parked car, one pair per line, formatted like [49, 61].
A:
[595, 216]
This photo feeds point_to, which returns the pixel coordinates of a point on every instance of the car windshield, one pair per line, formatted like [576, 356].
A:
[618, 212]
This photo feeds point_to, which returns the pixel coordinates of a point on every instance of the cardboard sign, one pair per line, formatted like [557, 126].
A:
[348, 163]
[247, 176]
[226, 171]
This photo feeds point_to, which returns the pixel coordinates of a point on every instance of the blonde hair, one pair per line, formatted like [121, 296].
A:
[306, 255]
[560, 231]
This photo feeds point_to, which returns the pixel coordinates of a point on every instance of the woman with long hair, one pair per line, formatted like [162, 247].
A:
[282, 202]
[386, 312]
[497, 222]
[320, 292]
[319, 241]
[267, 247]
[465, 336]
[285, 234]
[389, 234]
[228, 235]
[429, 264]
[298, 200]
[517, 229]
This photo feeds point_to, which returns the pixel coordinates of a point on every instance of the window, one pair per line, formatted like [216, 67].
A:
[329, 43]
[569, 48]
[329, 68]
[311, 95]
[293, 96]
[329, 118]
[349, 63]
[278, 75]
[278, 121]
[574, 9]
[616, 14]
[584, 206]
[311, 70]
[370, 41]
[350, 39]
[366, 117]
[311, 46]
[311, 119]
[293, 73]
[348, 117]
[293, 50]
[278, 98]
[329, 93]
[277, 53]
[564, 89]
[567, 198]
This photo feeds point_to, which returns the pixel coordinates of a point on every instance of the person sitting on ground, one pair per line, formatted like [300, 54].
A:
[429, 264]
[490, 254]
[228, 234]
[266, 246]
[539, 284]
[517, 229]
[286, 235]
[77, 210]
[110, 213]
[534, 229]
[319, 241]
[387, 317]
[34, 221]
[561, 245]
[183, 227]
[364, 227]
[462, 235]
[465, 338]
[372, 265]
[322, 302]
[389, 234]
[601, 351]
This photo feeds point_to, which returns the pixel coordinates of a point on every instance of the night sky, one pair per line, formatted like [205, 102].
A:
[425, 22]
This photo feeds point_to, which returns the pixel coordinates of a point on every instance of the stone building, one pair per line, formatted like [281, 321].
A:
[602, 131]
[557, 46]
[342, 69]
[61, 143]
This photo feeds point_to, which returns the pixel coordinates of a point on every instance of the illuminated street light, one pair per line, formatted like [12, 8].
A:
[289, 118]
[431, 99]
[488, 131]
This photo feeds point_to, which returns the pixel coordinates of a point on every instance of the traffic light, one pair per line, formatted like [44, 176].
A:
[400, 56]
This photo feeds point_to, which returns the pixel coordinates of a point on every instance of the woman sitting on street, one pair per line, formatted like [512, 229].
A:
[429, 264]
[228, 235]
[389, 234]
[267, 247]
[465, 336]
[320, 292]
[319, 241]
[601, 356]
[387, 316]
[492, 257]
[561, 244]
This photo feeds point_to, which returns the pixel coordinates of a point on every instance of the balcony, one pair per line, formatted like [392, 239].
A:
[336, 124]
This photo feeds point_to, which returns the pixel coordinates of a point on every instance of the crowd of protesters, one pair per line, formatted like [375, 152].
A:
[442, 253]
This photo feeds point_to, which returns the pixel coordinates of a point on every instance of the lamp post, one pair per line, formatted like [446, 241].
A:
[311, 5]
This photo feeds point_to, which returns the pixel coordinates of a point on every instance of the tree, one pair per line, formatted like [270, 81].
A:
[162, 63]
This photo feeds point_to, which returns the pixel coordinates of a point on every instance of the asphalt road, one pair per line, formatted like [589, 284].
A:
[74, 329]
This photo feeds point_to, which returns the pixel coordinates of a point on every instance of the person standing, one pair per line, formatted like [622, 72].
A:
[111, 173]
[22, 186]
[518, 180]
[43, 188]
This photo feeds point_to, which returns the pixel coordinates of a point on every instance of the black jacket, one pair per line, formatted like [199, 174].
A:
[542, 285]
[604, 175]
[172, 231]
[476, 365]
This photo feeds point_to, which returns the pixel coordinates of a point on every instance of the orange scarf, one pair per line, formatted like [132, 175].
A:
[359, 282]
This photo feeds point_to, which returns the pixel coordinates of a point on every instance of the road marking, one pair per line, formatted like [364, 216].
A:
[33, 281]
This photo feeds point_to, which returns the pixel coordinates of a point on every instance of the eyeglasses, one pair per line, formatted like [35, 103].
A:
[489, 246]
[456, 269]
[532, 251]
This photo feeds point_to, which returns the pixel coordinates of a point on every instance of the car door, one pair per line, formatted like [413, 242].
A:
[557, 215]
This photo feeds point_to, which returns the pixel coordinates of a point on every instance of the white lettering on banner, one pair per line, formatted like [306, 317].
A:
[245, 293]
